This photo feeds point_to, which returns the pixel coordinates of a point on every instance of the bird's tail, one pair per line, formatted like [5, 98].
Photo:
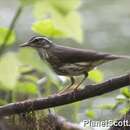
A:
[111, 57]
[114, 57]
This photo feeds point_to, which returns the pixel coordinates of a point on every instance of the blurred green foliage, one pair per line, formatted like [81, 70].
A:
[96, 75]
[9, 72]
[107, 106]
[60, 16]
[90, 113]
[47, 28]
[26, 88]
[54, 7]
[121, 104]
[126, 92]
[28, 2]
[3, 32]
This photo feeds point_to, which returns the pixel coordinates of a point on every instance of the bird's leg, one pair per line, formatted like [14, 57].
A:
[72, 83]
[85, 76]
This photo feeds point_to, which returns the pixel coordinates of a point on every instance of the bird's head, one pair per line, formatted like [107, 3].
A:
[38, 42]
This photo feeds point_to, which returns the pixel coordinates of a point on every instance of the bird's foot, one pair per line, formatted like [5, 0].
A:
[67, 89]
[64, 92]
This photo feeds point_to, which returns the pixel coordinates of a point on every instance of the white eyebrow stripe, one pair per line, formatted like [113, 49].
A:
[42, 38]
[36, 38]
[33, 39]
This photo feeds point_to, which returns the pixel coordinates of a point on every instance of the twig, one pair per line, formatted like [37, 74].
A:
[70, 97]
[12, 25]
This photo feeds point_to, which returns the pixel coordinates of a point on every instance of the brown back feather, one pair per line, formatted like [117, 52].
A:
[73, 55]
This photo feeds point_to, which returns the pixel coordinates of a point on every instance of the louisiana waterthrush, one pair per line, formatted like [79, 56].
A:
[69, 61]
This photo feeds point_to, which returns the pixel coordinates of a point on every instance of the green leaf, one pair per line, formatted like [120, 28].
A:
[64, 6]
[47, 28]
[121, 98]
[42, 9]
[3, 102]
[124, 110]
[90, 114]
[67, 27]
[96, 76]
[52, 7]
[71, 24]
[28, 2]
[3, 33]
[9, 72]
[107, 106]
[26, 87]
[126, 92]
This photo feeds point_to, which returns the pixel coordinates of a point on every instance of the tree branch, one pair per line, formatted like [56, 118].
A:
[70, 97]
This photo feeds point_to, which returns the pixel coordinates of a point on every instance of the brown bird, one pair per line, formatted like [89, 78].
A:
[69, 61]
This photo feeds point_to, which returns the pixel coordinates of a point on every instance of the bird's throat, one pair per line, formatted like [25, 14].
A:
[43, 53]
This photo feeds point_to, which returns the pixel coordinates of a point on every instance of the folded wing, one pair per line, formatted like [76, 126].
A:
[74, 55]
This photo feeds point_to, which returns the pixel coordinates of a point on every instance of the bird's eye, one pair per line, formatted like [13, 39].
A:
[36, 40]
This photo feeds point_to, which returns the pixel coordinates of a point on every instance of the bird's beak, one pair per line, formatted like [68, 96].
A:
[24, 44]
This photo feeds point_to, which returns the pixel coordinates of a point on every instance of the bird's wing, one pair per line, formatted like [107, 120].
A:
[74, 55]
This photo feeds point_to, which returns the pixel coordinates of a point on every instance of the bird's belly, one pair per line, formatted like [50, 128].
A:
[72, 69]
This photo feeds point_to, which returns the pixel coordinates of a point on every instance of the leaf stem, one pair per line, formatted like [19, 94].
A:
[11, 27]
